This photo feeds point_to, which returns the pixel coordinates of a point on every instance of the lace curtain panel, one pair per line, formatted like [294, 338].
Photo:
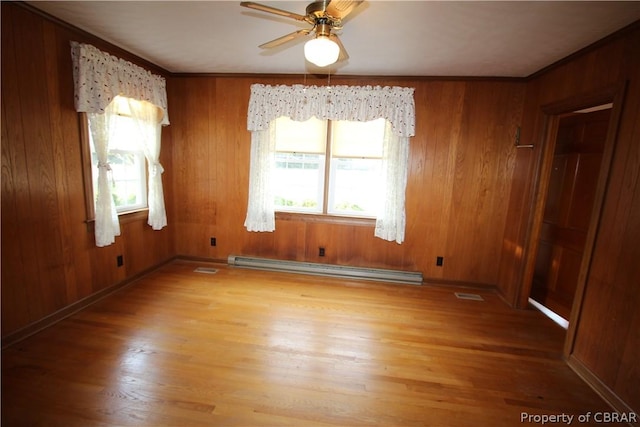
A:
[353, 103]
[260, 208]
[147, 119]
[390, 221]
[102, 127]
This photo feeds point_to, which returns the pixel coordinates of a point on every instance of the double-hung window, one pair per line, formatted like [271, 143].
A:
[328, 166]
[126, 160]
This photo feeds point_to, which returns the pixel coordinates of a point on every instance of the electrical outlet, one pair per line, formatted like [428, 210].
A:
[213, 241]
[119, 261]
[321, 251]
[439, 261]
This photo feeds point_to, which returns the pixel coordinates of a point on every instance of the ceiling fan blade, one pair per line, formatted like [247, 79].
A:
[286, 38]
[341, 8]
[343, 52]
[269, 9]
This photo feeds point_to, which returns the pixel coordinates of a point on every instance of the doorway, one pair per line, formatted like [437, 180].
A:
[568, 209]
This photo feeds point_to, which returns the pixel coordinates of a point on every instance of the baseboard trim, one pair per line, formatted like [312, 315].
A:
[601, 388]
[53, 318]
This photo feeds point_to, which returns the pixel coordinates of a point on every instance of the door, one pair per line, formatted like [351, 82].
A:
[569, 204]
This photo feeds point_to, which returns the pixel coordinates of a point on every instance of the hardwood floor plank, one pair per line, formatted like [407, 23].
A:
[252, 348]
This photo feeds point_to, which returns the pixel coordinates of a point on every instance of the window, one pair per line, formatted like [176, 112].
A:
[350, 181]
[298, 183]
[127, 163]
[130, 130]
[328, 167]
[111, 154]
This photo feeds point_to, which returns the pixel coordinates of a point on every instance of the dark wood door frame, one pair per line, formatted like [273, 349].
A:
[551, 114]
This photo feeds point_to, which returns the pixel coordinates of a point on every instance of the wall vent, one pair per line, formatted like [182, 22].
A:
[472, 297]
[384, 275]
[206, 270]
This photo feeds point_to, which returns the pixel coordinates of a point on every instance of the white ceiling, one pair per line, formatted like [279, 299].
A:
[399, 38]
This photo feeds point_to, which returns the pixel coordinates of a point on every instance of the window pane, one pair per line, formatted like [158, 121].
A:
[354, 180]
[128, 189]
[357, 139]
[355, 186]
[298, 182]
[128, 174]
[301, 137]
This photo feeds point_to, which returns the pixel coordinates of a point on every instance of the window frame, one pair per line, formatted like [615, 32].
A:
[87, 176]
[328, 178]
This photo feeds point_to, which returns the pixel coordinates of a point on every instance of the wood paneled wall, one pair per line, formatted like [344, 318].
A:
[461, 162]
[49, 257]
[607, 338]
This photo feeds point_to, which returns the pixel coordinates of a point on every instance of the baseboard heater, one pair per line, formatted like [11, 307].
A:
[384, 275]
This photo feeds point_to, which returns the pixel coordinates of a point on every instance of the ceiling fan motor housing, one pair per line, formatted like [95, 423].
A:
[317, 8]
[317, 15]
[323, 29]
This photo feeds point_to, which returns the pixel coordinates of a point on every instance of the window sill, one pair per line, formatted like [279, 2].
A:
[135, 215]
[326, 219]
[123, 217]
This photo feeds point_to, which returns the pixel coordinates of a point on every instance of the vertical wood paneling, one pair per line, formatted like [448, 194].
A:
[230, 142]
[613, 292]
[13, 194]
[42, 224]
[482, 168]
[196, 209]
[460, 162]
[49, 258]
[606, 339]
[520, 199]
[64, 171]
[435, 154]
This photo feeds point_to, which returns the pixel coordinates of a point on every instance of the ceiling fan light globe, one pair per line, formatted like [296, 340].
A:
[321, 51]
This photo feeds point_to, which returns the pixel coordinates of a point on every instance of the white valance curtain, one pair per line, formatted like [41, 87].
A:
[98, 79]
[353, 103]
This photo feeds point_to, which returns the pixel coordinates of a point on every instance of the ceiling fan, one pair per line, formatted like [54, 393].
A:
[325, 16]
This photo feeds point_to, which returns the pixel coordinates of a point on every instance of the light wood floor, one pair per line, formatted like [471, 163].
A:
[252, 348]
